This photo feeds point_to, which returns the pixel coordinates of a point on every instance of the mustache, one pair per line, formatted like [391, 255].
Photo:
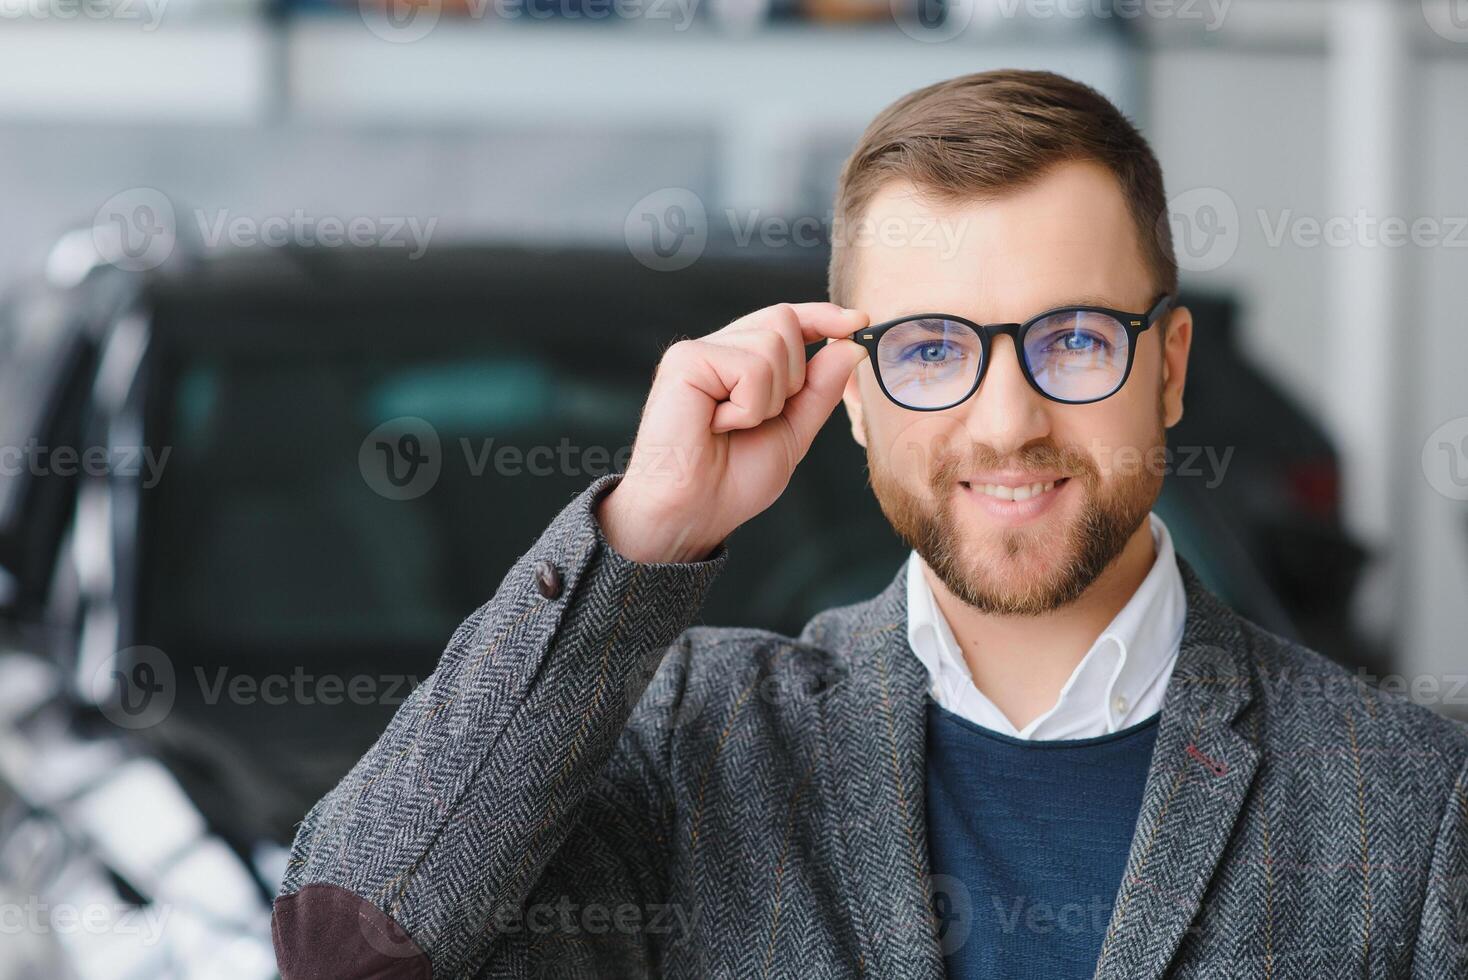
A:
[1046, 456]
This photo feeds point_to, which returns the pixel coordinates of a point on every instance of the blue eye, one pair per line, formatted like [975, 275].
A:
[932, 352]
[1078, 342]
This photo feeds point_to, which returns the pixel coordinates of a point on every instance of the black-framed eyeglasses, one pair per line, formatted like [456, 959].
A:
[1072, 354]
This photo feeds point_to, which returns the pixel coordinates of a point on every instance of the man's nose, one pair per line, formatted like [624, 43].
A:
[1006, 413]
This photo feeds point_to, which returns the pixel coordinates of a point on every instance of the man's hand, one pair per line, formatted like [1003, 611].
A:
[728, 418]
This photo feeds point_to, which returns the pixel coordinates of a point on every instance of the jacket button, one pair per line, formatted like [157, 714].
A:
[547, 579]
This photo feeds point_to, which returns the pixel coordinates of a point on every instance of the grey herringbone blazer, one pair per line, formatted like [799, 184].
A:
[537, 808]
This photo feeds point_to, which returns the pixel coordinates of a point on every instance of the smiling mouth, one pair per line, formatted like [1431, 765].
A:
[1019, 493]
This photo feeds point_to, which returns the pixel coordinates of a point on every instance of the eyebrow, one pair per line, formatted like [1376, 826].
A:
[1084, 300]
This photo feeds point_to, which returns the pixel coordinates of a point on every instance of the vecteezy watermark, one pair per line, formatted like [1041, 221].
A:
[137, 688]
[147, 13]
[1040, 917]
[406, 21]
[810, 231]
[301, 687]
[403, 458]
[952, 906]
[1341, 689]
[1204, 227]
[565, 458]
[1445, 458]
[1207, 463]
[1447, 18]
[568, 917]
[1364, 229]
[317, 231]
[67, 461]
[679, 704]
[1209, 13]
[669, 229]
[134, 688]
[931, 21]
[138, 229]
[35, 916]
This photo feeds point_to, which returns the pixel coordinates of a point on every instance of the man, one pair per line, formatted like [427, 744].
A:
[1044, 750]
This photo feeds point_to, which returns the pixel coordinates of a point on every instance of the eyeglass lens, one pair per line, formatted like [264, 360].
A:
[1073, 355]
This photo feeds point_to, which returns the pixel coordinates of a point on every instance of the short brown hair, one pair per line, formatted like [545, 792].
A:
[976, 136]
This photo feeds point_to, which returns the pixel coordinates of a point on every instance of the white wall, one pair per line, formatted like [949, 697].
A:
[1255, 123]
[1434, 532]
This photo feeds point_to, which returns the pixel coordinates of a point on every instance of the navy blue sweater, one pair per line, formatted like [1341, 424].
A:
[1028, 841]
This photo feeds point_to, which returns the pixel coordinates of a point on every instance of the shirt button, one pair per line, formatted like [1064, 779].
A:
[1119, 705]
[547, 579]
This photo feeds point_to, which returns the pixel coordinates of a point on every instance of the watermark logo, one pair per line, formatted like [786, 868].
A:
[952, 906]
[1204, 223]
[136, 229]
[1445, 459]
[134, 688]
[1447, 18]
[401, 21]
[402, 458]
[667, 230]
[932, 21]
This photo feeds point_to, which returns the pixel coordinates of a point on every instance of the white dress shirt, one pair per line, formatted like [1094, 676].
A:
[1120, 681]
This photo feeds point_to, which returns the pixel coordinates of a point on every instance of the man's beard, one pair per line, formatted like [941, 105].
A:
[998, 585]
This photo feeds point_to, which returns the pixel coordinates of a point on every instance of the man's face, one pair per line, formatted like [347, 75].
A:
[942, 477]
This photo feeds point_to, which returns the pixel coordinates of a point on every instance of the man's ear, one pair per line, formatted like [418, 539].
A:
[1178, 340]
[851, 397]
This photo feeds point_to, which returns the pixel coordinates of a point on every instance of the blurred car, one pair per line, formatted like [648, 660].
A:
[313, 464]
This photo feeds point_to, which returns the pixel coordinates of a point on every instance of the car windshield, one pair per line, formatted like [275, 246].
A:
[278, 523]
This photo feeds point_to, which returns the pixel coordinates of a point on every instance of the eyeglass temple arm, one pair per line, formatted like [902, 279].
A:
[1158, 308]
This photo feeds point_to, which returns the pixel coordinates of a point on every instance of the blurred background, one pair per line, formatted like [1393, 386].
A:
[313, 314]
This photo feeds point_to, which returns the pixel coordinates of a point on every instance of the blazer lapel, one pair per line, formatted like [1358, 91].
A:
[1202, 768]
[872, 730]
[872, 727]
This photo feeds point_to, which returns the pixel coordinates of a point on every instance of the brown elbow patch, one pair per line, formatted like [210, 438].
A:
[326, 931]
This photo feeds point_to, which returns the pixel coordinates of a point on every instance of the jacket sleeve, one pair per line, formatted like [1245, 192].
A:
[510, 821]
[1442, 938]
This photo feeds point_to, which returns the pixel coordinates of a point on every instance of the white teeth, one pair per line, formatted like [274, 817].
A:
[1014, 493]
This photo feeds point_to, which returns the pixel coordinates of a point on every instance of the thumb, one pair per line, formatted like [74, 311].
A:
[825, 379]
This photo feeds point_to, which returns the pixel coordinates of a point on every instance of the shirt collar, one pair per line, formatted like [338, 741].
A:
[1120, 680]
[1149, 628]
